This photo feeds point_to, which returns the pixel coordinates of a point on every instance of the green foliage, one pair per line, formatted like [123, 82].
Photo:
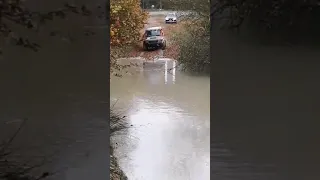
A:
[202, 7]
[194, 41]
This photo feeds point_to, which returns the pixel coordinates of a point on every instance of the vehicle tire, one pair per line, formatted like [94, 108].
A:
[145, 47]
[164, 45]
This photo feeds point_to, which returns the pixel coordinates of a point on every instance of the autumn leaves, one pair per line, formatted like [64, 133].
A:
[126, 21]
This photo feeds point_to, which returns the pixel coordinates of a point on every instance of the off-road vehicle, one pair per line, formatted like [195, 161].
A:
[154, 38]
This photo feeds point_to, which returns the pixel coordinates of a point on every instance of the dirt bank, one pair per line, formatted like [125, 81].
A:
[117, 124]
[116, 172]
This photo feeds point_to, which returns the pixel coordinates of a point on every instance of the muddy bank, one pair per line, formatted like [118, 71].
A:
[116, 172]
[117, 124]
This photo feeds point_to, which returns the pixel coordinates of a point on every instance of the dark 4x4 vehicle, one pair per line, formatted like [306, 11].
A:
[154, 38]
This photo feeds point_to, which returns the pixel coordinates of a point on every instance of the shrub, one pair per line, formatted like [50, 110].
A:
[194, 41]
[194, 46]
[126, 21]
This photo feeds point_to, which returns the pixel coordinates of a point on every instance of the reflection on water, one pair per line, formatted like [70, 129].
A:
[171, 70]
[166, 72]
[174, 72]
[167, 149]
[265, 126]
[170, 125]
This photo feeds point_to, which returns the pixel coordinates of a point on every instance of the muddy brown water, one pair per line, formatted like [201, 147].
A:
[169, 114]
[264, 123]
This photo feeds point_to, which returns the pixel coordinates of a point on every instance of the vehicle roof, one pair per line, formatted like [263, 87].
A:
[153, 28]
[172, 13]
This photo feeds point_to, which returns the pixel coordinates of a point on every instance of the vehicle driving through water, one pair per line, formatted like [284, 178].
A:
[153, 37]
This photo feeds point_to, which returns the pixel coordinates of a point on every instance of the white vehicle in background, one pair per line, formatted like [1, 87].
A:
[171, 18]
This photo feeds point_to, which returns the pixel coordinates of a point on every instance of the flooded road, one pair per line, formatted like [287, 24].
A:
[170, 117]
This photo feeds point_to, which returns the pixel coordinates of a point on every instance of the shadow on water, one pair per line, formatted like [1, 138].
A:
[265, 113]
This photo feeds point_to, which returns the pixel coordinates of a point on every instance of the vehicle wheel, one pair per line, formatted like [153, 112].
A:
[164, 45]
[145, 47]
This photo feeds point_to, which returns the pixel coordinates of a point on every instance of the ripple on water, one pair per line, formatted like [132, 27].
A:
[171, 138]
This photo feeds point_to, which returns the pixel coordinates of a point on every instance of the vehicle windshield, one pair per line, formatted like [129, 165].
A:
[171, 15]
[151, 33]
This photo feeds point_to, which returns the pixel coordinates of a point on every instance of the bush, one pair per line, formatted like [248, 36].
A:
[194, 41]
[194, 46]
[126, 21]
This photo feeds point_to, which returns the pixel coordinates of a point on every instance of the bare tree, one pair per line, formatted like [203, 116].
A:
[14, 12]
[290, 19]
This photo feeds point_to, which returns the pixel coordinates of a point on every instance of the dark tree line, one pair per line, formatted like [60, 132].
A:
[15, 12]
[290, 18]
[158, 4]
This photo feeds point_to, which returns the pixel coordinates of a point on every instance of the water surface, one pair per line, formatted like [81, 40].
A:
[170, 117]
